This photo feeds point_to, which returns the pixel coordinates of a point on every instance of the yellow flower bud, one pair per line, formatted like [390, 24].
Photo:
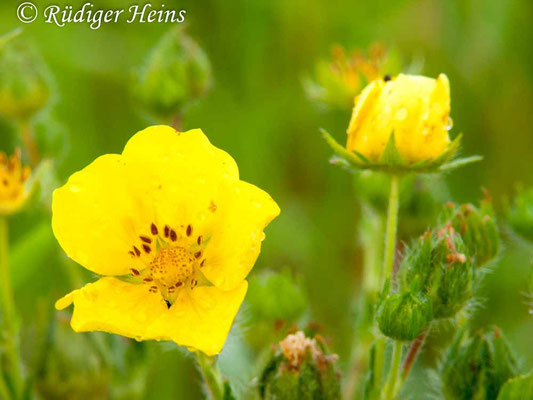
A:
[13, 176]
[415, 108]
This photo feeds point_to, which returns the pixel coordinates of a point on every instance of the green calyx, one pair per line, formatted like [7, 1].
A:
[519, 213]
[476, 368]
[176, 72]
[404, 316]
[477, 227]
[391, 160]
[439, 261]
[314, 376]
[24, 79]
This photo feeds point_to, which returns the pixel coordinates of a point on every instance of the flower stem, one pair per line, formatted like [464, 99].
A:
[8, 311]
[412, 354]
[391, 385]
[392, 227]
[212, 377]
[28, 140]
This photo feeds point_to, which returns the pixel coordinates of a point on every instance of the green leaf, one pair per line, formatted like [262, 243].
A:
[519, 388]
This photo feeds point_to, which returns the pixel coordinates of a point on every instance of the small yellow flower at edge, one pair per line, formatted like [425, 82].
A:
[172, 232]
[415, 108]
[13, 177]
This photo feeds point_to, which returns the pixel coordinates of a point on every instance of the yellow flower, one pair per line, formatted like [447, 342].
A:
[415, 108]
[173, 233]
[13, 176]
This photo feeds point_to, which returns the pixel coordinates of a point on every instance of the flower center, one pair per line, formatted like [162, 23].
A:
[172, 266]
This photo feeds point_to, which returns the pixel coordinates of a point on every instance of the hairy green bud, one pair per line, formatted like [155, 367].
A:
[301, 370]
[520, 213]
[478, 229]
[440, 263]
[176, 72]
[24, 79]
[477, 368]
[404, 316]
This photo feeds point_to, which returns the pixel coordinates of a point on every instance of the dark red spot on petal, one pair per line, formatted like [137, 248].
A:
[153, 229]
[147, 248]
[189, 230]
[173, 235]
[146, 239]
[137, 251]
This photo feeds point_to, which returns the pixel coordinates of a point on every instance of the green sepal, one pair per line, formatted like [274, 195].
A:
[390, 156]
[519, 388]
[391, 160]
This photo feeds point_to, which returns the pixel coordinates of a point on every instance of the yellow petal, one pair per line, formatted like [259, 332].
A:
[99, 213]
[415, 108]
[114, 306]
[201, 318]
[162, 177]
[242, 212]
[181, 170]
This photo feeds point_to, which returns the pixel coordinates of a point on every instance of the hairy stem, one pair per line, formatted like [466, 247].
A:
[28, 141]
[7, 308]
[412, 354]
[211, 375]
[392, 227]
[396, 359]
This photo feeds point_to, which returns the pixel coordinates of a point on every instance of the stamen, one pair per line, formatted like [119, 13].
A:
[147, 248]
[189, 230]
[173, 235]
[134, 272]
[167, 231]
[146, 239]
[149, 279]
[179, 284]
[137, 251]
[153, 229]
[199, 240]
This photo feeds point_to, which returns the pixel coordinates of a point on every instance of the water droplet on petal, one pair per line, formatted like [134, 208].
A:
[401, 114]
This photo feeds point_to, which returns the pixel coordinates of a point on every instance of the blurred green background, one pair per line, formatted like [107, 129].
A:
[258, 112]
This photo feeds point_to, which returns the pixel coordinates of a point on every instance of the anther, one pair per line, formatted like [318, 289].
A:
[178, 284]
[146, 239]
[189, 230]
[134, 272]
[173, 235]
[153, 229]
[147, 248]
[167, 231]
[137, 251]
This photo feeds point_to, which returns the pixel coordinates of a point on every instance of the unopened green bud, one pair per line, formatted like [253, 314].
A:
[24, 80]
[520, 213]
[176, 72]
[440, 262]
[478, 229]
[404, 316]
[300, 370]
[478, 368]
[288, 304]
[451, 283]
